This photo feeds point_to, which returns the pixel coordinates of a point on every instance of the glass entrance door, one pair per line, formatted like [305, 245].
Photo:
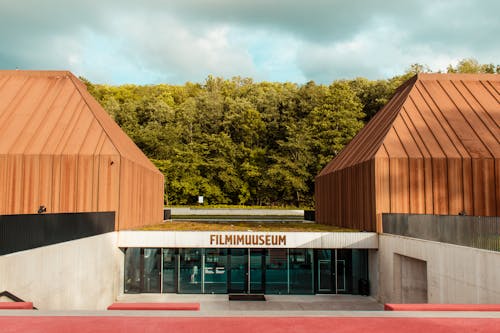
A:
[238, 271]
[325, 275]
[325, 271]
[246, 271]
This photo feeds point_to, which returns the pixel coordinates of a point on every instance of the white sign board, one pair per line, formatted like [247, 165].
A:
[223, 239]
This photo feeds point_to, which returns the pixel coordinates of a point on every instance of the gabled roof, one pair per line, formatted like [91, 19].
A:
[432, 115]
[51, 113]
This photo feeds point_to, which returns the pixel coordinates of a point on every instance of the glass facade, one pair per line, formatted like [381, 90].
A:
[277, 271]
[133, 281]
[238, 266]
[142, 270]
[169, 271]
[215, 271]
[221, 271]
[190, 271]
[301, 271]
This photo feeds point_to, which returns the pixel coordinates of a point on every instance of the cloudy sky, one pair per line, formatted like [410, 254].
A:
[174, 41]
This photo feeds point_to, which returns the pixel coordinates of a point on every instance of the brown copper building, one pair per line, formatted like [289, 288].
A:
[433, 149]
[61, 150]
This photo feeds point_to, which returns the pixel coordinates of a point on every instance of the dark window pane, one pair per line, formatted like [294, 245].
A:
[344, 271]
[360, 272]
[276, 271]
[301, 271]
[257, 261]
[238, 270]
[325, 271]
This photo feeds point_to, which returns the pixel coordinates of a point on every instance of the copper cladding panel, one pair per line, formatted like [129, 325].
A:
[435, 148]
[60, 149]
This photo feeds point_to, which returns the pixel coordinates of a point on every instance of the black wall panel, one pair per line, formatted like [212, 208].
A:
[28, 231]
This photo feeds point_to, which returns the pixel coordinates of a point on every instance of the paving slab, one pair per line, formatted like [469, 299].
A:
[221, 303]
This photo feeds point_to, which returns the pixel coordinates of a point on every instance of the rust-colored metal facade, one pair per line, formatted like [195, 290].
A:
[433, 149]
[60, 149]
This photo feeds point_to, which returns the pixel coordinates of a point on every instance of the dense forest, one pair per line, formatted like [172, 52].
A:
[240, 142]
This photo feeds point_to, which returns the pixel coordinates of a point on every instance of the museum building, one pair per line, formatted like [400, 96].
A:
[74, 189]
[247, 262]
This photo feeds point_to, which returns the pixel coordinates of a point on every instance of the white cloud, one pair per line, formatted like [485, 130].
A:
[382, 50]
[179, 53]
[176, 41]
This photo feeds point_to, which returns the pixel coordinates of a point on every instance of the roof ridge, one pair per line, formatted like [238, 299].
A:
[446, 123]
[35, 73]
[135, 154]
[457, 76]
[347, 157]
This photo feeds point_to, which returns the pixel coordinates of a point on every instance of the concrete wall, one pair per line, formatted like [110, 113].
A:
[410, 279]
[373, 274]
[455, 274]
[80, 274]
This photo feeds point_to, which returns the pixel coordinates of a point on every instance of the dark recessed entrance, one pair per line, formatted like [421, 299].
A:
[246, 271]
[334, 271]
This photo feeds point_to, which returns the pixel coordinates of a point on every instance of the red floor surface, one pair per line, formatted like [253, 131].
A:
[442, 307]
[155, 306]
[16, 305]
[243, 325]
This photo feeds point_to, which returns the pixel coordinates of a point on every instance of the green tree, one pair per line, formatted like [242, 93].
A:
[336, 121]
[472, 66]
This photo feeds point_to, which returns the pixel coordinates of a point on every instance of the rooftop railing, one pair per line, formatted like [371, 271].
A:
[473, 231]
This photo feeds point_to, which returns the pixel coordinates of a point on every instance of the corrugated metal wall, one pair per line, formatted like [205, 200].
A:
[59, 148]
[437, 186]
[81, 184]
[141, 196]
[440, 155]
[355, 206]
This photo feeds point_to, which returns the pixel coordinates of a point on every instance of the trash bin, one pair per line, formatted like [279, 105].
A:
[167, 214]
[364, 287]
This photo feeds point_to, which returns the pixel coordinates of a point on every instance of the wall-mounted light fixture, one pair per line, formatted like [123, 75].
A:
[42, 209]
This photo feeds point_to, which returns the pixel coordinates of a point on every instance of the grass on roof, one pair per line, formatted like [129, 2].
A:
[244, 226]
[206, 206]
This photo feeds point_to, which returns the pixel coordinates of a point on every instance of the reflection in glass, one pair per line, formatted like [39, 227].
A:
[215, 271]
[238, 270]
[344, 271]
[132, 283]
[256, 270]
[273, 271]
[169, 271]
[276, 271]
[190, 271]
[301, 271]
[325, 271]
[151, 277]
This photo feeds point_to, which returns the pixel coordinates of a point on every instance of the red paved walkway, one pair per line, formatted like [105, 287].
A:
[442, 307]
[90, 324]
